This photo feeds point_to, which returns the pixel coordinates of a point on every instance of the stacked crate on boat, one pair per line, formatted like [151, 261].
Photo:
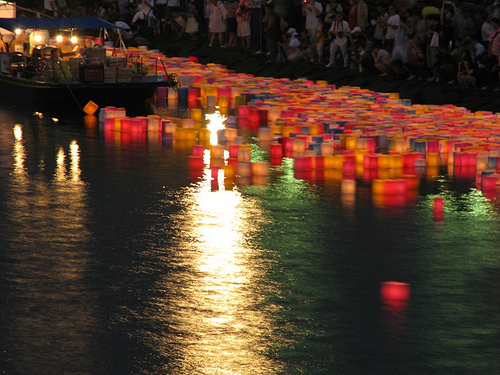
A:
[74, 65]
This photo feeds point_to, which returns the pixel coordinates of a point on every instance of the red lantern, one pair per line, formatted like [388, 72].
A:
[394, 290]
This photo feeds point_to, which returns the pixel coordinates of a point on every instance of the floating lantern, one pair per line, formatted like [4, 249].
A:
[393, 290]
[153, 124]
[276, 150]
[126, 124]
[303, 163]
[217, 152]
[244, 155]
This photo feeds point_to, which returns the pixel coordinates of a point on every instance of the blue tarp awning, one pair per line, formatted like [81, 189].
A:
[55, 23]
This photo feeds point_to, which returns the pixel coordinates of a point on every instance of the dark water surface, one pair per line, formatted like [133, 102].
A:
[114, 259]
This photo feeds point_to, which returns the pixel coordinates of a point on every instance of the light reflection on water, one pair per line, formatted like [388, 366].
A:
[45, 250]
[219, 308]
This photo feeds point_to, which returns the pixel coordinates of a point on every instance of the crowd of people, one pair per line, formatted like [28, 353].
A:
[439, 41]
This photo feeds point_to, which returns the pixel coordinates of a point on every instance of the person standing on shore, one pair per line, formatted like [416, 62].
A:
[272, 31]
[311, 9]
[243, 14]
[232, 25]
[217, 25]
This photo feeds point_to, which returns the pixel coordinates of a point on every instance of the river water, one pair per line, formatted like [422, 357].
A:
[116, 259]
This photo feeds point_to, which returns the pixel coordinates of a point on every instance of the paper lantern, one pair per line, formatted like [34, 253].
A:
[109, 124]
[393, 290]
[276, 150]
[243, 156]
[233, 151]
[217, 152]
[432, 159]
[243, 111]
[348, 168]
[303, 163]
[327, 148]
[198, 150]
[126, 124]
[211, 101]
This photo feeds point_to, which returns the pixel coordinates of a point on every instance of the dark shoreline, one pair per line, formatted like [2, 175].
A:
[419, 92]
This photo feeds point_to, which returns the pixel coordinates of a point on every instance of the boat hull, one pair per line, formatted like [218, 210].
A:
[74, 96]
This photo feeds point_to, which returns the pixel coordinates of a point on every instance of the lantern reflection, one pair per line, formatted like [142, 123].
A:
[216, 310]
[19, 152]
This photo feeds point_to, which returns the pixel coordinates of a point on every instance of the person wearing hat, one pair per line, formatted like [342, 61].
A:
[291, 45]
[339, 31]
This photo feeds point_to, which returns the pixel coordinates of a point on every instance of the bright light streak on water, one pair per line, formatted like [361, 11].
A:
[75, 161]
[215, 123]
[217, 311]
[18, 152]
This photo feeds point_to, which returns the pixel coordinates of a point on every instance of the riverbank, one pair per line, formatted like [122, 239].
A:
[419, 92]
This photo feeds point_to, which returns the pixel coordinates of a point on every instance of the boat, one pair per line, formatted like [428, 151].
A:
[91, 71]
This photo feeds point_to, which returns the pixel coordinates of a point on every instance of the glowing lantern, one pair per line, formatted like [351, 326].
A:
[198, 150]
[126, 123]
[217, 152]
[211, 101]
[348, 168]
[260, 168]
[303, 163]
[393, 290]
[244, 156]
[243, 111]
[276, 150]
[432, 159]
